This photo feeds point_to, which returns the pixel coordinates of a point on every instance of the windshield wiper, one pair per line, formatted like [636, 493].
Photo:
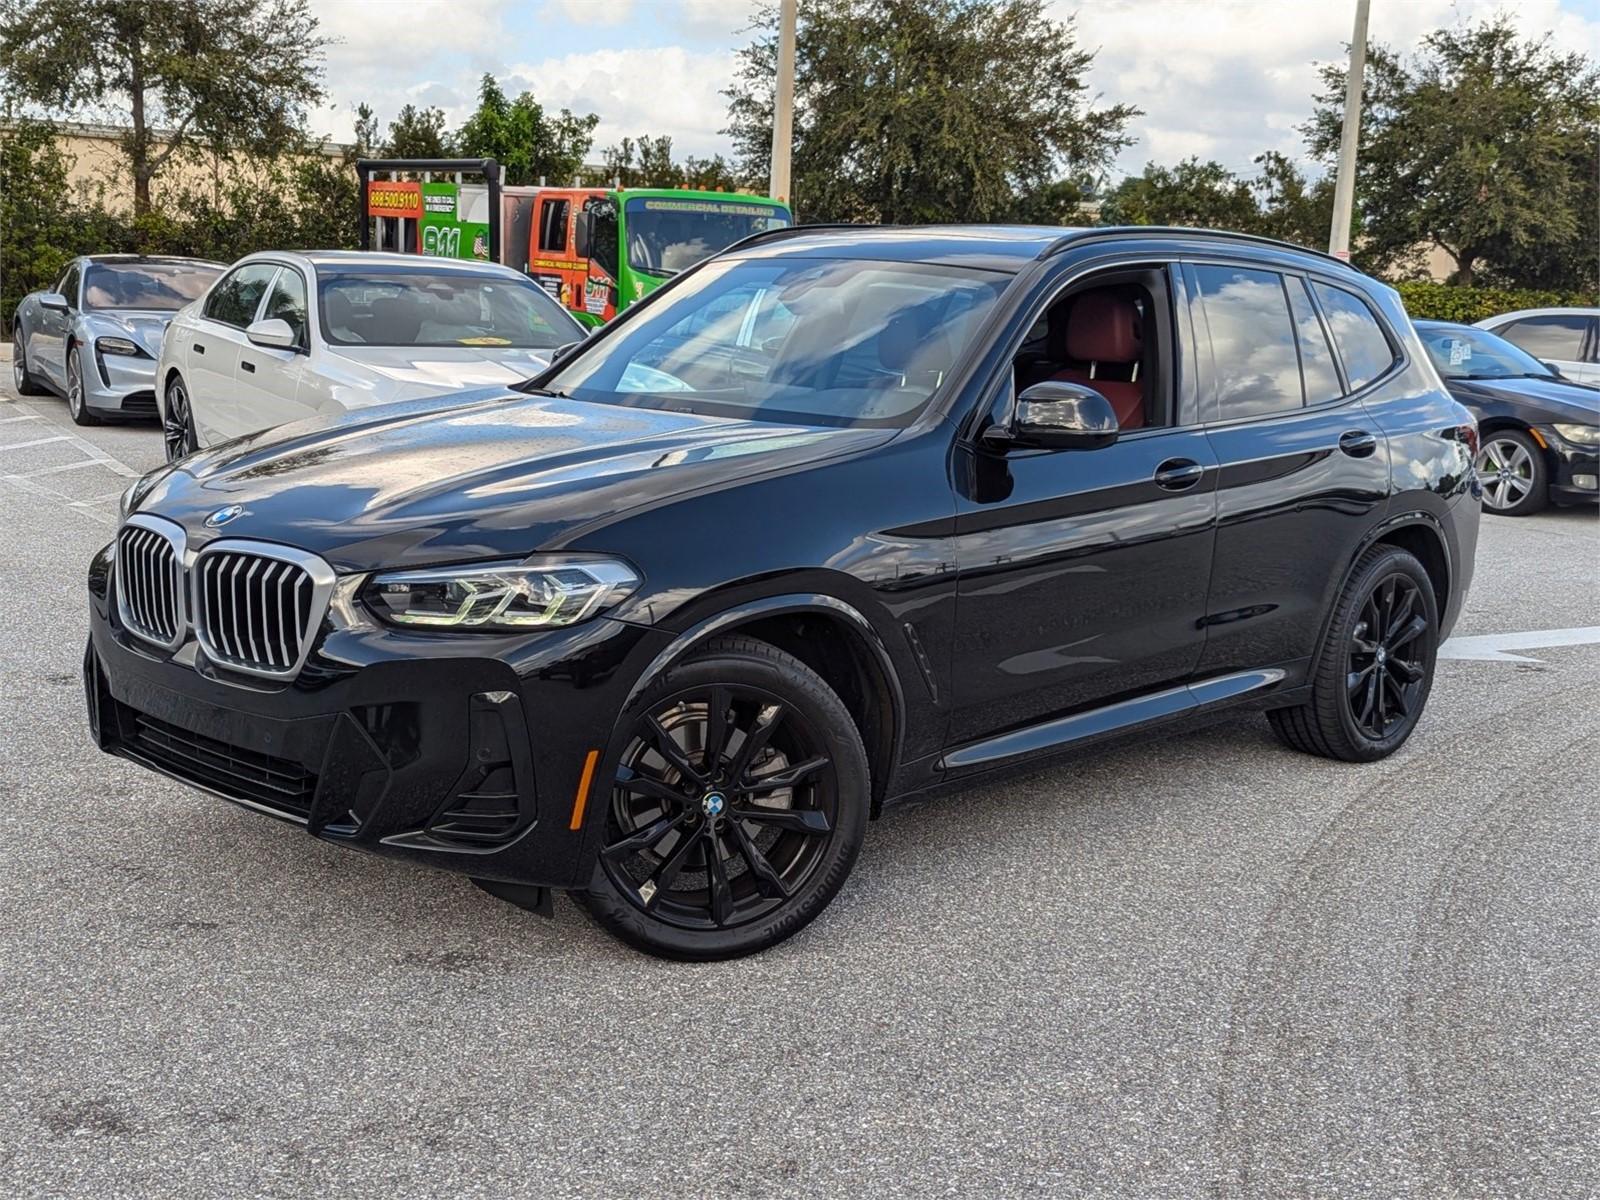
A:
[526, 388]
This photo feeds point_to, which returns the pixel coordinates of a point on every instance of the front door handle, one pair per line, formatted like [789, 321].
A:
[248, 365]
[1179, 474]
[1358, 443]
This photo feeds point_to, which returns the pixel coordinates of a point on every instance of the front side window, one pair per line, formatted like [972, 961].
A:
[667, 235]
[1553, 337]
[1255, 360]
[368, 306]
[235, 298]
[154, 286]
[807, 341]
[603, 234]
[1462, 353]
[1363, 348]
[288, 303]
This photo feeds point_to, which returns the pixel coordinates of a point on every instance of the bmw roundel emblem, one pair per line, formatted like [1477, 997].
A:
[223, 515]
[713, 804]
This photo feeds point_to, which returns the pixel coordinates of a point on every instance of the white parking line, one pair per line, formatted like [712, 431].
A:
[1492, 647]
[36, 442]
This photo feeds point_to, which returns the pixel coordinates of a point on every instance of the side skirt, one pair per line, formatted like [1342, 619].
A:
[1112, 719]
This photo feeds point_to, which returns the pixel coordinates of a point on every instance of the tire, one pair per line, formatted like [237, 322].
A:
[77, 406]
[791, 767]
[1372, 676]
[21, 378]
[1516, 478]
[177, 421]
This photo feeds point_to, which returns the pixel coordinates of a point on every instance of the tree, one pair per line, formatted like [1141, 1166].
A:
[1293, 209]
[224, 74]
[648, 162]
[1481, 143]
[417, 133]
[924, 110]
[525, 141]
[366, 131]
[1202, 194]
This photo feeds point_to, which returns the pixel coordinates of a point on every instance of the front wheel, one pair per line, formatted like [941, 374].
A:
[1516, 480]
[738, 808]
[1372, 676]
[77, 405]
[177, 422]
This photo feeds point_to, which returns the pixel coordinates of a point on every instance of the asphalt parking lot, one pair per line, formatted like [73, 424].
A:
[1196, 965]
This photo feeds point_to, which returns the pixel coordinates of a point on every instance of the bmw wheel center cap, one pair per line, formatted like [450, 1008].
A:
[713, 804]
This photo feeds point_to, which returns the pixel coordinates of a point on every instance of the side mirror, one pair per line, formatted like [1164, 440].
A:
[274, 333]
[54, 301]
[580, 235]
[1553, 369]
[563, 352]
[1057, 416]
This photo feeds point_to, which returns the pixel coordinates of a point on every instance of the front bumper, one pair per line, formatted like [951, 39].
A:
[122, 384]
[459, 753]
[1575, 470]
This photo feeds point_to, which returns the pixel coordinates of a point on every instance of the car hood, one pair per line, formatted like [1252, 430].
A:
[454, 480]
[437, 368]
[1541, 399]
[144, 328]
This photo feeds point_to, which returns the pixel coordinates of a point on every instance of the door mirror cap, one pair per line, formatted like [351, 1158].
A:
[563, 352]
[1554, 368]
[274, 333]
[1055, 415]
[580, 235]
[54, 301]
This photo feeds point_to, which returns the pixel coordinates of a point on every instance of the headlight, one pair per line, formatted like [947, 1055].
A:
[1582, 435]
[116, 345]
[133, 495]
[544, 593]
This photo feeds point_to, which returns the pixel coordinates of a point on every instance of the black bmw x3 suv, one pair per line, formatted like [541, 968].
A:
[839, 516]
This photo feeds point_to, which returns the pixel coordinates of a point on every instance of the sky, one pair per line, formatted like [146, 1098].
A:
[1223, 79]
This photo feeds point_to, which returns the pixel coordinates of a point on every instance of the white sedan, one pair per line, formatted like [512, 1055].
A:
[281, 337]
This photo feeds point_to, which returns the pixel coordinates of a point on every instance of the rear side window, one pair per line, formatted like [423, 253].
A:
[1548, 337]
[1255, 362]
[288, 303]
[1359, 338]
[233, 301]
[1316, 360]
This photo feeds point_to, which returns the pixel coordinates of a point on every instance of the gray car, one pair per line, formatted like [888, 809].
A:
[96, 337]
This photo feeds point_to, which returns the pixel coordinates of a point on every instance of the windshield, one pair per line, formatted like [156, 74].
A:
[157, 286]
[1461, 353]
[366, 306]
[666, 236]
[807, 341]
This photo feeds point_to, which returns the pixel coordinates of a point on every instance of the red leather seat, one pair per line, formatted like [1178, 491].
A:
[1103, 330]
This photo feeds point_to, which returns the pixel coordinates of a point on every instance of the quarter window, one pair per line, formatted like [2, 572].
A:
[288, 303]
[1255, 364]
[69, 286]
[1316, 360]
[1558, 337]
[233, 301]
[1362, 346]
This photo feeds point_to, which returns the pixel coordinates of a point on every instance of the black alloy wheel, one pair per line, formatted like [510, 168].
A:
[177, 422]
[1371, 678]
[738, 806]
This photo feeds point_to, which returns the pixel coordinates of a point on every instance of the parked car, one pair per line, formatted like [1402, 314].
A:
[1565, 338]
[1539, 432]
[831, 519]
[95, 338]
[282, 337]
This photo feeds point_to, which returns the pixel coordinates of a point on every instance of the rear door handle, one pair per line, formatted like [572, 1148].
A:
[199, 348]
[248, 365]
[1179, 474]
[1358, 443]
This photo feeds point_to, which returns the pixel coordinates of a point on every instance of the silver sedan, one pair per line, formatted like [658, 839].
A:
[95, 338]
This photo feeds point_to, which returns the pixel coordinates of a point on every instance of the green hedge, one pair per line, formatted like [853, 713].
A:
[1445, 302]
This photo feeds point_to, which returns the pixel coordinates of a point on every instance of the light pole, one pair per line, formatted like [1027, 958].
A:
[1344, 188]
[783, 102]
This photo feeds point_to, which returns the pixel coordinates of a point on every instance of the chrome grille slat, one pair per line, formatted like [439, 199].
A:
[149, 554]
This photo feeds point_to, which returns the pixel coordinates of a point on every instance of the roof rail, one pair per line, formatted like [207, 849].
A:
[773, 235]
[1118, 232]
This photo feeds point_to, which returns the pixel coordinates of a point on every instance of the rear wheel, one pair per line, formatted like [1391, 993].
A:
[77, 405]
[1373, 674]
[177, 422]
[738, 807]
[1516, 479]
[24, 382]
